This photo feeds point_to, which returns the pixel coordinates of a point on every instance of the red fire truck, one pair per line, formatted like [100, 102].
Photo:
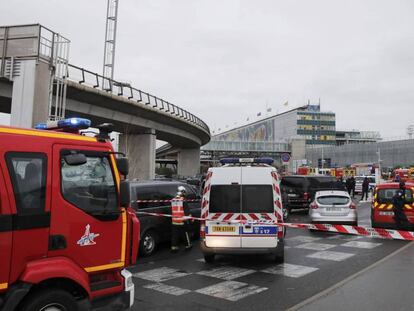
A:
[66, 229]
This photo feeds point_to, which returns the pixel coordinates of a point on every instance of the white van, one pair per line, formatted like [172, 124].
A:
[242, 206]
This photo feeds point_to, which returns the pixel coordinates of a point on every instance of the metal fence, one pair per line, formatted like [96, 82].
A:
[258, 146]
[92, 79]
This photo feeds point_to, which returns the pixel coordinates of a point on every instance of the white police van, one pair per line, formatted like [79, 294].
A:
[242, 206]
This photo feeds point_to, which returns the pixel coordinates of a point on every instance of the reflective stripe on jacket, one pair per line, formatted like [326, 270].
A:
[177, 211]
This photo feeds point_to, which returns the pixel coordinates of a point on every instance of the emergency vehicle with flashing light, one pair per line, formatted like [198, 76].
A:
[67, 232]
[242, 206]
[382, 214]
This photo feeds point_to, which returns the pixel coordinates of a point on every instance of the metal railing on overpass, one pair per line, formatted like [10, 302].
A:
[254, 146]
[92, 79]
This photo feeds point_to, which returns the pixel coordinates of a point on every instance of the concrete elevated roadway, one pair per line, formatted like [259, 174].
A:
[37, 82]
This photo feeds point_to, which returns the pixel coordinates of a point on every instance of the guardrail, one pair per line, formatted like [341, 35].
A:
[253, 146]
[92, 79]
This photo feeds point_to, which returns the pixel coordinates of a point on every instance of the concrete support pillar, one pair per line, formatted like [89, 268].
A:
[140, 149]
[298, 152]
[30, 96]
[188, 162]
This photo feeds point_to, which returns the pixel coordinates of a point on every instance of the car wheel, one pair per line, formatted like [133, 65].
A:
[49, 300]
[209, 258]
[285, 213]
[280, 252]
[148, 243]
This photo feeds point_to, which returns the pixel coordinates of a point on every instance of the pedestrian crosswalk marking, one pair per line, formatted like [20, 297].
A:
[360, 244]
[167, 289]
[303, 239]
[316, 246]
[231, 290]
[160, 274]
[329, 255]
[226, 273]
[290, 270]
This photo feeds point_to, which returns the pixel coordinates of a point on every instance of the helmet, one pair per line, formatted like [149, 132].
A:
[181, 190]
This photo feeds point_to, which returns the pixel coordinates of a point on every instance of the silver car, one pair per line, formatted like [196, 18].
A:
[333, 207]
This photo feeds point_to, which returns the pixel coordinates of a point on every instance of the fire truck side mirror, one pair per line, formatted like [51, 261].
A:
[123, 166]
[74, 159]
[125, 193]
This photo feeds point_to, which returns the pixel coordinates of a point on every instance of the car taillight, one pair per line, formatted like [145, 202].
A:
[306, 195]
[314, 205]
[352, 205]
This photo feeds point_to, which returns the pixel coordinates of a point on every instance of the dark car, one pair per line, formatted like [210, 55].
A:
[153, 196]
[299, 191]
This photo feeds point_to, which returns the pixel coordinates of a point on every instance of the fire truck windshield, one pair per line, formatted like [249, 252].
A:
[90, 186]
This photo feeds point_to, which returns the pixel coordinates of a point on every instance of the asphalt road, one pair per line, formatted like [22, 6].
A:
[314, 262]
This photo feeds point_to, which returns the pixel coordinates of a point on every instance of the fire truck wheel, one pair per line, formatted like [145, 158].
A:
[49, 300]
[148, 243]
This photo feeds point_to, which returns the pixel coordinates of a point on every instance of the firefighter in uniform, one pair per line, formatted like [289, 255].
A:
[179, 208]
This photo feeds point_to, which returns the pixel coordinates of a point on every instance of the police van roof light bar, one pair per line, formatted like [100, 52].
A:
[65, 124]
[268, 161]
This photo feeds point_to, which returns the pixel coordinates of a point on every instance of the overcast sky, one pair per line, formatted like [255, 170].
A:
[226, 60]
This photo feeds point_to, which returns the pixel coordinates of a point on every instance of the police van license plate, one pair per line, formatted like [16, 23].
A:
[223, 229]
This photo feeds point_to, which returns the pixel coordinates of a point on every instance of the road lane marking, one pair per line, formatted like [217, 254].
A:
[226, 273]
[160, 274]
[329, 255]
[359, 244]
[302, 239]
[348, 279]
[167, 289]
[316, 246]
[290, 270]
[345, 237]
[231, 290]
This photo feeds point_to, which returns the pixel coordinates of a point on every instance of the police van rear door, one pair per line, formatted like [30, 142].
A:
[258, 205]
[222, 229]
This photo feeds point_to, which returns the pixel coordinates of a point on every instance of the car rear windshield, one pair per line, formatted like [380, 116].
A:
[385, 195]
[298, 183]
[257, 199]
[225, 199]
[324, 183]
[333, 200]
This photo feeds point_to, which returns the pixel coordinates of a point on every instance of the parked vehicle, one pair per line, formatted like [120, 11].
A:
[67, 232]
[382, 214]
[243, 190]
[360, 179]
[154, 196]
[333, 207]
[299, 191]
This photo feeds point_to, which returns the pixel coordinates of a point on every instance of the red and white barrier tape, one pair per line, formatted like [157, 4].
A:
[343, 229]
[165, 201]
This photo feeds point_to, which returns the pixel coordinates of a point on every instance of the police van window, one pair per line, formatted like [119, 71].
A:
[257, 199]
[28, 175]
[90, 186]
[225, 199]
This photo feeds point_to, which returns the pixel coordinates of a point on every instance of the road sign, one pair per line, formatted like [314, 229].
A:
[285, 157]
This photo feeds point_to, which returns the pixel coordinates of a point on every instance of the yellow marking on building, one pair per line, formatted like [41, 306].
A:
[390, 206]
[408, 206]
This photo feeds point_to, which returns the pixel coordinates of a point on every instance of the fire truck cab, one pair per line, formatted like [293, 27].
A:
[66, 229]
